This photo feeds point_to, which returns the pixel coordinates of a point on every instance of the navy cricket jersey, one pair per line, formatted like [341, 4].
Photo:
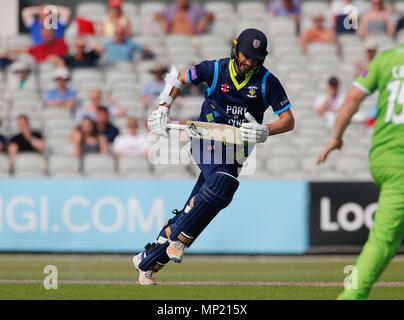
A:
[227, 100]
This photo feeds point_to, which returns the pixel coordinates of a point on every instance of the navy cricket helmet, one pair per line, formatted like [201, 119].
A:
[252, 43]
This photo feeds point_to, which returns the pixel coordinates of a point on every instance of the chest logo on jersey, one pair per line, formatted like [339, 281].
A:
[252, 92]
[225, 88]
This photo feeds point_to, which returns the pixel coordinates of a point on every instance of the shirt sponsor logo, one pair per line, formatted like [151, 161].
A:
[364, 73]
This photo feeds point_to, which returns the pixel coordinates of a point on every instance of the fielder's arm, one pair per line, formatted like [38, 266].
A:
[351, 104]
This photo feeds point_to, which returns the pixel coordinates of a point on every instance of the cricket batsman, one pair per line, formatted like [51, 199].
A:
[386, 158]
[239, 91]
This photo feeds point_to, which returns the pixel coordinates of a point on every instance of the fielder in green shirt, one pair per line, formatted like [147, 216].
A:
[386, 74]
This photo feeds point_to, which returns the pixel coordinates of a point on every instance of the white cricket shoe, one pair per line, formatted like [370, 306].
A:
[175, 250]
[145, 277]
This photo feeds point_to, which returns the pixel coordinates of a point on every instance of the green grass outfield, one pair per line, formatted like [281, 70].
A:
[197, 277]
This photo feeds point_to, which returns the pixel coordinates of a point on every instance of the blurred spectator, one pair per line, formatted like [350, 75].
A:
[317, 33]
[287, 8]
[95, 101]
[87, 140]
[371, 51]
[61, 96]
[3, 143]
[104, 126]
[34, 19]
[20, 79]
[377, 21]
[114, 18]
[132, 143]
[85, 54]
[51, 50]
[80, 27]
[25, 141]
[155, 86]
[340, 12]
[400, 22]
[328, 104]
[122, 49]
[184, 18]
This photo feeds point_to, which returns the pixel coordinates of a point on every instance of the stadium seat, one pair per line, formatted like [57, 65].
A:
[63, 166]
[281, 27]
[251, 6]
[308, 7]
[130, 9]
[19, 41]
[98, 165]
[29, 165]
[276, 164]
[4, 164]
[349, 165]
[330, 176]
[134, 166]
[171, 171]
[56, 145]
[219, 7]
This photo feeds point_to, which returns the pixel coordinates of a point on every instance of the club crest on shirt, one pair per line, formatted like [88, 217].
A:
[256, 43]
[252, 92]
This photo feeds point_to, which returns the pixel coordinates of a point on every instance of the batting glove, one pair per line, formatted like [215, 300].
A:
[252, 131]
[158, 122]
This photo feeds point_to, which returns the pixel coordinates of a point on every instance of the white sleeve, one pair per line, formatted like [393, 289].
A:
[117, 145]
[319, 101]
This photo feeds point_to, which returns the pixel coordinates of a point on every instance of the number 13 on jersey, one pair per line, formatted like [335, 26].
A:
[396, 97]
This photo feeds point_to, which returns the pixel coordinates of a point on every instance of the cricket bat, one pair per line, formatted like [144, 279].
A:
[210, 131]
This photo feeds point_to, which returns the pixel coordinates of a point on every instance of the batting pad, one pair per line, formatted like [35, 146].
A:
[215, 195]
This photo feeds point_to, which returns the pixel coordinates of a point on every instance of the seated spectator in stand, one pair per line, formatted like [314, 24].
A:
[184, 18]
[371, 51]
[90, 110]
[25, 141]
[114, 18]
[61, 96]
[87, 140]
[123, 49]
[51, 50]
[317, 33]
[287, 8]
[85, 54]
[104, 126]
[327, 105]
[152, 88]
[35, 18]
[377, 21]
[132, 143]
[340, 12]
[3, 143]
[20, 79]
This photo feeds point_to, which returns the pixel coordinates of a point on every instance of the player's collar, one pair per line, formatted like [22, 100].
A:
[233, 75]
